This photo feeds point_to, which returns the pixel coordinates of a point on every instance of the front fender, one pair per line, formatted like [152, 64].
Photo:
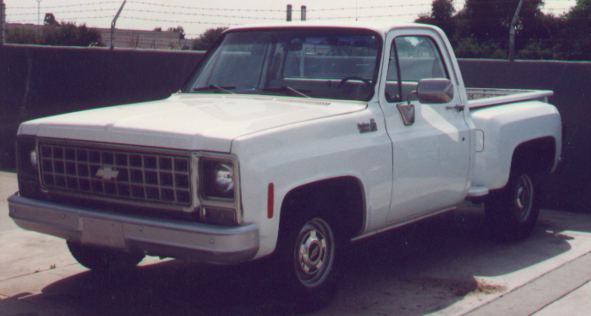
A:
[307, 152]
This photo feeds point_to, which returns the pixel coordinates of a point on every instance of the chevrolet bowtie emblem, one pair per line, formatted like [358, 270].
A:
[107, 173]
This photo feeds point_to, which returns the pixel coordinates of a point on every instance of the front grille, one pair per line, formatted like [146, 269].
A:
[113, 171]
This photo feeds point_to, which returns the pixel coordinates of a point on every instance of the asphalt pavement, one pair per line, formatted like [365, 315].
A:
[443, 266]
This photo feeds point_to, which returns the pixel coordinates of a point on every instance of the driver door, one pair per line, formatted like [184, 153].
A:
[431, 142]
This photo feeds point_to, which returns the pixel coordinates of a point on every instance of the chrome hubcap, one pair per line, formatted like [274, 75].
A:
[523, 198]
[314, 252]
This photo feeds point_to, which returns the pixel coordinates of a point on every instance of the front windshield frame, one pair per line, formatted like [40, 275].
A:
[376, 53]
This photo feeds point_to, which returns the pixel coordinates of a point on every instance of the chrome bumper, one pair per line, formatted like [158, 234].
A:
[183, 240]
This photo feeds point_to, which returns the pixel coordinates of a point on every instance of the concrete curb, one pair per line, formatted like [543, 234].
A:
[541, 292]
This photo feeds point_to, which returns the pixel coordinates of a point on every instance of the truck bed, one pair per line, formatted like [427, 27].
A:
[486, 97]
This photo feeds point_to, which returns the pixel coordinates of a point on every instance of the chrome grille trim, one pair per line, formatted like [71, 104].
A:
[126, 174]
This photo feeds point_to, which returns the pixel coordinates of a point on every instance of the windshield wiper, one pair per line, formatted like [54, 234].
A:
[225, 89]
[286, 89]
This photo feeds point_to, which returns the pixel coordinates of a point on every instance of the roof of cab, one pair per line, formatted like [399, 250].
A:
[381, 28]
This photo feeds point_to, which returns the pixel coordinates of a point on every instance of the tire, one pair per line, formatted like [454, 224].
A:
[104, 260]
[512, 212]
[307, 258]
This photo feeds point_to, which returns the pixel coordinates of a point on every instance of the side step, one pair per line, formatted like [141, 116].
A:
[477, 191]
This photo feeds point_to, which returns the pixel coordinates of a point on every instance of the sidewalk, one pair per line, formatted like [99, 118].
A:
[563, 291]
[442, 266]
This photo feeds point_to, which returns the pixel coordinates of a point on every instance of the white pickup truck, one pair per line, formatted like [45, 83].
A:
[289, 140]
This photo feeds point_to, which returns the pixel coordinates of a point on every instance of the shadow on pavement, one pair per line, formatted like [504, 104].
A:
[414, 270]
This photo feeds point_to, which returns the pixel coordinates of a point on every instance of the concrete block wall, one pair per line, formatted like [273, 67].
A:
[570, 187]
[37, 81]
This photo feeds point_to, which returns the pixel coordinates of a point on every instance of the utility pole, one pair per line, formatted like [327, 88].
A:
[38, 12]
[114, 22]
[2, 22]
[303, 13]
[512, 31]
[289, 9]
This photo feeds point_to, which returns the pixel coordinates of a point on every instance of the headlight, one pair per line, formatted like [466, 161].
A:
[217, 179]
[218, 190]
[27, 159]
[34, 158]
[224, 179]
[27, 164]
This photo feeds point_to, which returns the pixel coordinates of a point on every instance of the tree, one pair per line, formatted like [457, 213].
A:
[50, 20]
[55, 33]
[206, 40]
[178, 29]
[442, 12]
[21, 35]
[70, 34]
[490, 20]
[481, 28]
[576, 42]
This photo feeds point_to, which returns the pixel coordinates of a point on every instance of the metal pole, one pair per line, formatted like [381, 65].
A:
[2, 22]
[289, 8]
[512, 31]
[303, 13]
[38, 12]
[114, 22]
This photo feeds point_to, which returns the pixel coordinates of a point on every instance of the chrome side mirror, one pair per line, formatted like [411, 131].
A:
[435, 90]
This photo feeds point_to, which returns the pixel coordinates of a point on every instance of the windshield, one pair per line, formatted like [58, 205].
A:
[319, 63]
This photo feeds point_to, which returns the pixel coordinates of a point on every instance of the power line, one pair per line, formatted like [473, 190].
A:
[373, 7]
[364, 16]
[204, 14]
[64, 12]
[178, 22]
[83, 4]
[203, 8]
[66, 19]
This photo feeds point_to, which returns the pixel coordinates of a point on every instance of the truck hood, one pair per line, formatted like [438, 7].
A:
[187, 121]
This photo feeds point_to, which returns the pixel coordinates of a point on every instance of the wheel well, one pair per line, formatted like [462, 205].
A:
[341, 197]
[537, 154]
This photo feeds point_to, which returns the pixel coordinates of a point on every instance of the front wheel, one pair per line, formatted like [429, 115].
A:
[308, 259]
[512, 212]
[100, 259]
[314, 253]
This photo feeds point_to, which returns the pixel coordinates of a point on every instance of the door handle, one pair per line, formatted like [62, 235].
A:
[457, 107]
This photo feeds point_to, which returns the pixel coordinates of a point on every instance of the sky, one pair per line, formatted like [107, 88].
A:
[196, 16]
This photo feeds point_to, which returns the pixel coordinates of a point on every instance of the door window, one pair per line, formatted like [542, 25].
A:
[412, 58]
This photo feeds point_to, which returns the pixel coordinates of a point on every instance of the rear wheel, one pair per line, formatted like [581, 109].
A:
[100, 259]
[512, 212]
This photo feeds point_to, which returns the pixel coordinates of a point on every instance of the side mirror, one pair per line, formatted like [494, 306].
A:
[435, 90]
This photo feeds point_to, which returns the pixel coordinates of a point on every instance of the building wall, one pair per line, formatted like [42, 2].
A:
[142, 39]
[124, 38]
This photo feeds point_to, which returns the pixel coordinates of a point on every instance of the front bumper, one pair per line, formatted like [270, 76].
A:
[167, 238]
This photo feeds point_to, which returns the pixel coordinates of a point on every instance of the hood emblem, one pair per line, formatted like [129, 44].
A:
[107, 173]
